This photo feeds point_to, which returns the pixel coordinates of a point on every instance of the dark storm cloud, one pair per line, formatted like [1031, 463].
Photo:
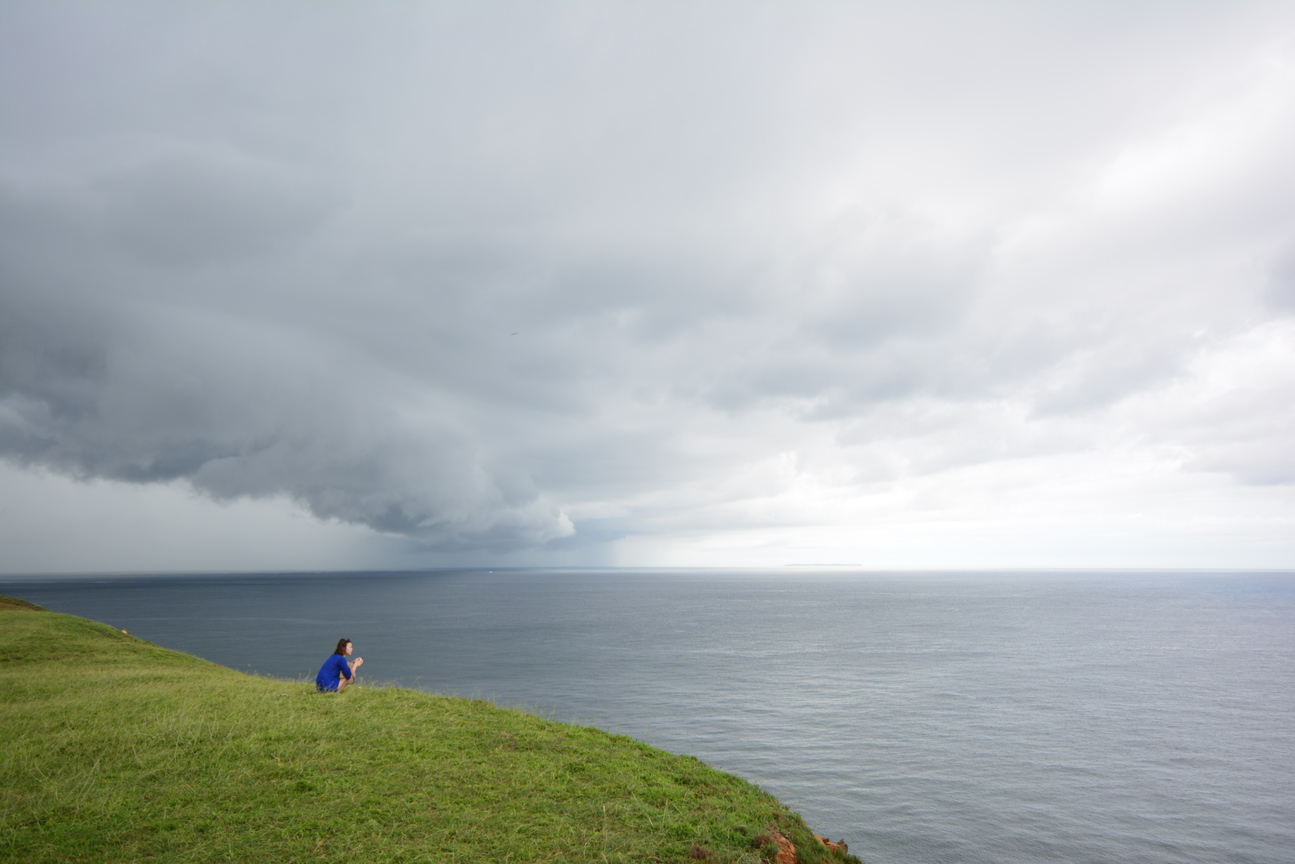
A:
[458, 272]
[249, 409]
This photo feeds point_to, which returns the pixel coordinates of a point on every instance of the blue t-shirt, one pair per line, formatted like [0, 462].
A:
[334, 666]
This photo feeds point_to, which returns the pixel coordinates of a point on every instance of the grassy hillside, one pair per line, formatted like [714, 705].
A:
[117, 750]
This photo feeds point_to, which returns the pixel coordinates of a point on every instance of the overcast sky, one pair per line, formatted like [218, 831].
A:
[361, 285]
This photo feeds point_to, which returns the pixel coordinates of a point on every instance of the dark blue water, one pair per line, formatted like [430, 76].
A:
[1109, 717]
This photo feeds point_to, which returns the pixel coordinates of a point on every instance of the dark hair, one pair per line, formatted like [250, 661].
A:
[341, 646]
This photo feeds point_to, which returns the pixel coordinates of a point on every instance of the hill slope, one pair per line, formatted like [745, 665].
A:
[118, 750]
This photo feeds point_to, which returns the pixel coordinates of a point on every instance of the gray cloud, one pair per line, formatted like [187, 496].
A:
[457, 273]
[191, 209]
[1281, 281]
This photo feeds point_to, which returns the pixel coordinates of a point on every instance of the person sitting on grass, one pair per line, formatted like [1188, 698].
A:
[336, 672]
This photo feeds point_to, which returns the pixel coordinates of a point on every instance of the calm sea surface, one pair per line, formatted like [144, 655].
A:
[957, 717]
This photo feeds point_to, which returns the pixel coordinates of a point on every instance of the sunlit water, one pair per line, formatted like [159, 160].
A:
[925, 718]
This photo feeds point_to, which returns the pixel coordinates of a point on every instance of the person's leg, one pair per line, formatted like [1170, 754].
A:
[342, 682]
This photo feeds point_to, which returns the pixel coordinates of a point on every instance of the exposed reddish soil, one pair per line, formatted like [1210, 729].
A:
[786, 851]
[832, 847]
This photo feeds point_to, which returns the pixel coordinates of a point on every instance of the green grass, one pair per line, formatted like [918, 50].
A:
[7, 602]
[114, 749]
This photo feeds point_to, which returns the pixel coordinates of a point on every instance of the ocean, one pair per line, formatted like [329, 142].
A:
[926, 718]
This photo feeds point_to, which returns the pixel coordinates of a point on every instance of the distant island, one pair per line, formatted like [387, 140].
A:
[117, 750]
